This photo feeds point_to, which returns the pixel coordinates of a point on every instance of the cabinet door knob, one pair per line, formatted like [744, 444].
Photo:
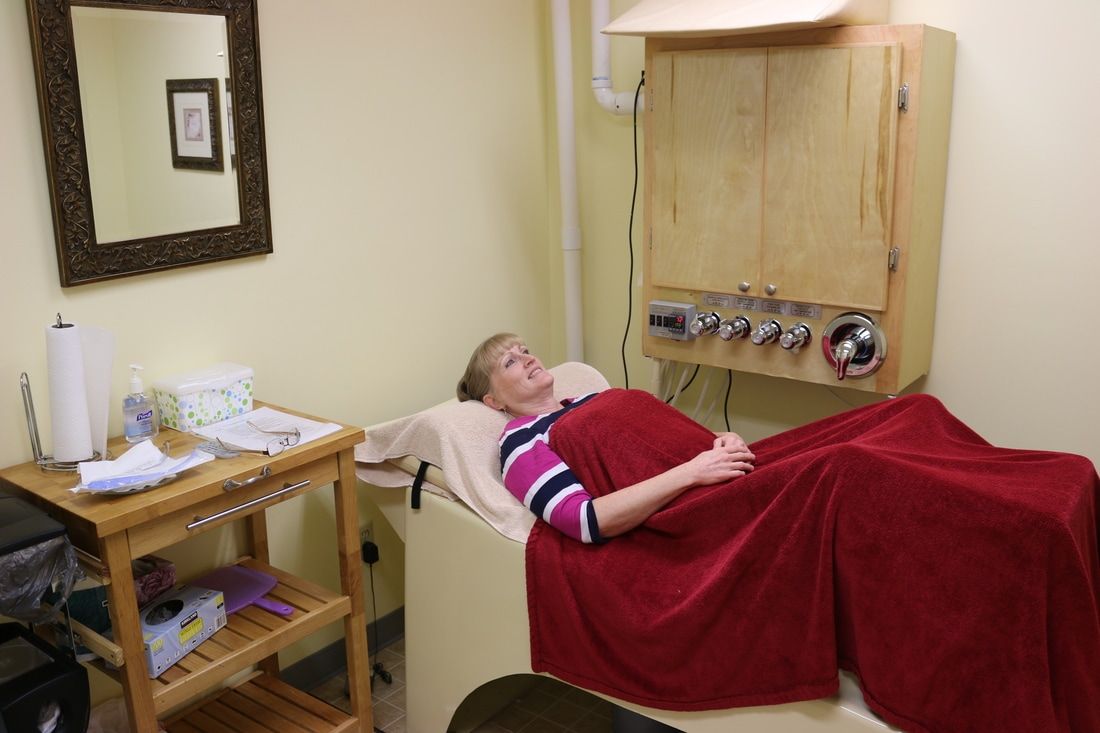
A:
[770, 289]
[744, 286]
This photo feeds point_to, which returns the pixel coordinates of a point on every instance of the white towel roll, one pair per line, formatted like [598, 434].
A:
[69, 421]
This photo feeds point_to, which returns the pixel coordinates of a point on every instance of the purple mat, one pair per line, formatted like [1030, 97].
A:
[242, 586]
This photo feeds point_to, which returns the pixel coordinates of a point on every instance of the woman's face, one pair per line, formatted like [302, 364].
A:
[518, 378]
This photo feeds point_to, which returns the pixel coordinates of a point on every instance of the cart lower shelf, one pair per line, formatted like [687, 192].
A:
[249, 636]
[262, 703]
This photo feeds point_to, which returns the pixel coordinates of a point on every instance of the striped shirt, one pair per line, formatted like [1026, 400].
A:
[539, 478]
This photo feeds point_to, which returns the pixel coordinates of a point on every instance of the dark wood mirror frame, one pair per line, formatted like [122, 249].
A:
[81, 259]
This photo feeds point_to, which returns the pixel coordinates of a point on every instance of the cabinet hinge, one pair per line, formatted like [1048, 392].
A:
[892, 259]
[903, 97]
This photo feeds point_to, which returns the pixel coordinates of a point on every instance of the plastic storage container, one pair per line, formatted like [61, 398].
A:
[204, 396]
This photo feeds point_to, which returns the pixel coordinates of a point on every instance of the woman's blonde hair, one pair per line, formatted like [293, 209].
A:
[474, 384]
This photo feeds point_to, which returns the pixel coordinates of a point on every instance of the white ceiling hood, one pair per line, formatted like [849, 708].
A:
[727, 17]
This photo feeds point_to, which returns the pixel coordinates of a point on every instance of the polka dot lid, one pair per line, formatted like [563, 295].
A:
[204, 396]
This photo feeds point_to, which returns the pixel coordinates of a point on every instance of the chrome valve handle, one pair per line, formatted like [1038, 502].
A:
[858, 345]
[845, 350]
[704, 323]
[766, 332]
[853, 345]
[796, 337]
[737, 327]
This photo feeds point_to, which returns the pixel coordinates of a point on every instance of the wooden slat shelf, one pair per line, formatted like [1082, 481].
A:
[249, 635]
[263, 703]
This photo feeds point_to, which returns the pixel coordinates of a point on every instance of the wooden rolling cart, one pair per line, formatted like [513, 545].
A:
[110, 532]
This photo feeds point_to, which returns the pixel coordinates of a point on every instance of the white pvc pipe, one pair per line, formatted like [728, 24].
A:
[601, 45]
[602, 85]
[567, 177]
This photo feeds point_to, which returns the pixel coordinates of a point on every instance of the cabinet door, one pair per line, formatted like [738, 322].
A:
[829, 179]
[707, 135]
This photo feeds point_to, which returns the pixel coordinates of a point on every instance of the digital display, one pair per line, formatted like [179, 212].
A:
[670, 320]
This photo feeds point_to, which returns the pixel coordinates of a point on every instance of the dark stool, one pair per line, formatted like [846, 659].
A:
[41, 687]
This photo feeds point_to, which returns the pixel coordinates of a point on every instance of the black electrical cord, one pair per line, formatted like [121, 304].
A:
[726, 404]
[630, 236]
[376, 668]
[673, 395]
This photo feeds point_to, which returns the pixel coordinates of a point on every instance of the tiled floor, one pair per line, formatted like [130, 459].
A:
[388, 699]
[549, 707]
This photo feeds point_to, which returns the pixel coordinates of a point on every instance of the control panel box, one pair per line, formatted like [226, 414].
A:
[671, 320]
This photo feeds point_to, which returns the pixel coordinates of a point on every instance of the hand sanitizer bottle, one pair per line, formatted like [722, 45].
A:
[139, 417]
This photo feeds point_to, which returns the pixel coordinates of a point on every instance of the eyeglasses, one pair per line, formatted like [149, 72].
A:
[280, 441]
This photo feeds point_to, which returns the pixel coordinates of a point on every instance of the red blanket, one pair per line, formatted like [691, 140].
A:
[958, 580]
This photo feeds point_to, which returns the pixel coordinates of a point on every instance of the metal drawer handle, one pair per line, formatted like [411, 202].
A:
[231, 484]
[199, 521]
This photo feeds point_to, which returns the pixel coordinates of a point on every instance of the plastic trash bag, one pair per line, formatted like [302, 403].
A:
[31, 574]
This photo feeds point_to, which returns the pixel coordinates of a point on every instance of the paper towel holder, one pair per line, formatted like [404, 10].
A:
[47, 463]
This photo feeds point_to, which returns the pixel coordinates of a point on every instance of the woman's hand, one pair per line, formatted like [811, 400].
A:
[732, 441]
[720, 463]
[622, 510]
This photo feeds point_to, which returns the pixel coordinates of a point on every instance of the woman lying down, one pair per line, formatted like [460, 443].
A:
[505, 376]
[959, 581]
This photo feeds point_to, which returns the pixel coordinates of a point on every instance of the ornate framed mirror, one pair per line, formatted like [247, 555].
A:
[104, 69]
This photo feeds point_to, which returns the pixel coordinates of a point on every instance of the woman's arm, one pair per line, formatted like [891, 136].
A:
[623, 510]
[538, 477]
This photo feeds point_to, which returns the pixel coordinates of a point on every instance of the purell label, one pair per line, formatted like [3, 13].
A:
[146, 415]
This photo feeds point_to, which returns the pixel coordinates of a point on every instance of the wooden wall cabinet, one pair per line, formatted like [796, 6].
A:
[782, 167]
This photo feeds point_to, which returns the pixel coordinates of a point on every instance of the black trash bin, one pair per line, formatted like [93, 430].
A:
[42, 688]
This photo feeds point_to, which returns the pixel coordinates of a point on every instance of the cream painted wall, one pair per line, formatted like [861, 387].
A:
[409, 187]
[1014, 355]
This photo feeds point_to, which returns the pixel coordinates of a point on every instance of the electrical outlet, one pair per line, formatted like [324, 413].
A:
[366, 531]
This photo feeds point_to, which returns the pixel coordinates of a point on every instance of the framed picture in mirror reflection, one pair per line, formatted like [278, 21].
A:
[194, 124]
[229, 121]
